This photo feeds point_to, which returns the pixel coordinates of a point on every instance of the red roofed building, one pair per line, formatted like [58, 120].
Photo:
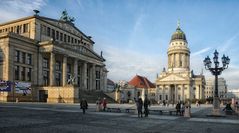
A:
[138, 86]
[141, 82]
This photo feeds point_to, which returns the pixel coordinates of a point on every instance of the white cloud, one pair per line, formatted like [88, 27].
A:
[201, 51]
[14, 9]
[228, 43]
[123, 64]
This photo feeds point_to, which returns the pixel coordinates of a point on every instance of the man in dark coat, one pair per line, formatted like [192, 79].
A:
[178, 108]
[146, 106]
[139, 104]
[83, 105]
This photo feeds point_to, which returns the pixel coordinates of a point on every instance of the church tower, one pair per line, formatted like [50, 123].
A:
[178, 53]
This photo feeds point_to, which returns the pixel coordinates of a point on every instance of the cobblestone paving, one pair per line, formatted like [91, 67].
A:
[21, 118]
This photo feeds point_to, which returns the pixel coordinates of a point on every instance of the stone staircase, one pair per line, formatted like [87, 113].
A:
[92, 96]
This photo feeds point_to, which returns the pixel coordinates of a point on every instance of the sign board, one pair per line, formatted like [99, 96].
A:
[23, 88]
[5, 85]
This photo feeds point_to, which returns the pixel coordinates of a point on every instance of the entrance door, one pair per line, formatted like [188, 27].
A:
[43, 95]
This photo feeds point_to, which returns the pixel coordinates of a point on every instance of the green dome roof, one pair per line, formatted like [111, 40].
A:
[178, 35]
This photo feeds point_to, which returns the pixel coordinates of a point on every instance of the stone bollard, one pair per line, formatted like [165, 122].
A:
[16, 100]
[187, 112]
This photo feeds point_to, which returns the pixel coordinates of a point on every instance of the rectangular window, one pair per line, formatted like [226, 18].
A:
[97, 85]
[46, 78]
[58, 66]
[23, 75]
[53, 34]
[25, 28]
[48, 31]
[57, 35]
[69, 39]
[64, 37]
[58, 79]
[166, 97]
[72, 40]
[45, 63]
[29, 59]
[61, 36]
[68, 68]
[23, 57]
[97, 74]
[29, 74]
[160, 97]
[16, 72]
[78, 82]
[75, 41]
[18, 29]
[17, 56]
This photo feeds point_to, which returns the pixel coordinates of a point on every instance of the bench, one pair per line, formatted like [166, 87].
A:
[113, 110]
[161, 112]
[129, 110]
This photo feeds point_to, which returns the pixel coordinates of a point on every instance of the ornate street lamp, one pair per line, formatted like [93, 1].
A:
[216, 71]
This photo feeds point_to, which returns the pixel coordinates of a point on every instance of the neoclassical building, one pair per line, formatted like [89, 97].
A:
[53, 55]
[222, 87]
[177, 82]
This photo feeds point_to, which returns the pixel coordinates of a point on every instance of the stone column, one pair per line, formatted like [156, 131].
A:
[52, 69]
[162, 92]
[182, 93]
[176, 93]
[93, 77]
[40, 72]
[64, 71]
[178, 60]
[189, 92]
[169, 93]
[76, 71]
[101, 79]
[84, 76]
[183, 60]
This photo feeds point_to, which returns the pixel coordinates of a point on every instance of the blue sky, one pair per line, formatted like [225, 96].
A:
[134, 34]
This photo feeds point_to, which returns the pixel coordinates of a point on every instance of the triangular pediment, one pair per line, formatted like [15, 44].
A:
[67, 26]
[172, 77]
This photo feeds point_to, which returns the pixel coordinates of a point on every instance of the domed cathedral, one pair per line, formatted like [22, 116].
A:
[178, 83]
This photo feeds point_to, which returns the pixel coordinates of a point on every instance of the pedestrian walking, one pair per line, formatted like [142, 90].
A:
[104, 104]
[182, 109]
[146, 106]
[177, 108]
[139, 104]
[83, 105]
[98, 105]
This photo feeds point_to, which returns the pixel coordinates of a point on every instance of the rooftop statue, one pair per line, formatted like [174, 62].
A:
[66, 18]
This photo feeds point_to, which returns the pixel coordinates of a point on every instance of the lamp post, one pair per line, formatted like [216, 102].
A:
[216, 71]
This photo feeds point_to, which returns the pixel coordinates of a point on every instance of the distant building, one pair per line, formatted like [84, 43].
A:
[210, 86]
[178, 83]
[52, 55]
[138, 87]
[110, 85]
[233, 94]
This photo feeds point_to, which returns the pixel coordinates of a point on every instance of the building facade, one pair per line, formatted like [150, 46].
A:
[178, 83]
[54, 56]
[210, 85]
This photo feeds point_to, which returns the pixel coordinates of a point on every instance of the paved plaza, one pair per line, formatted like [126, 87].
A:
[68, 118]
